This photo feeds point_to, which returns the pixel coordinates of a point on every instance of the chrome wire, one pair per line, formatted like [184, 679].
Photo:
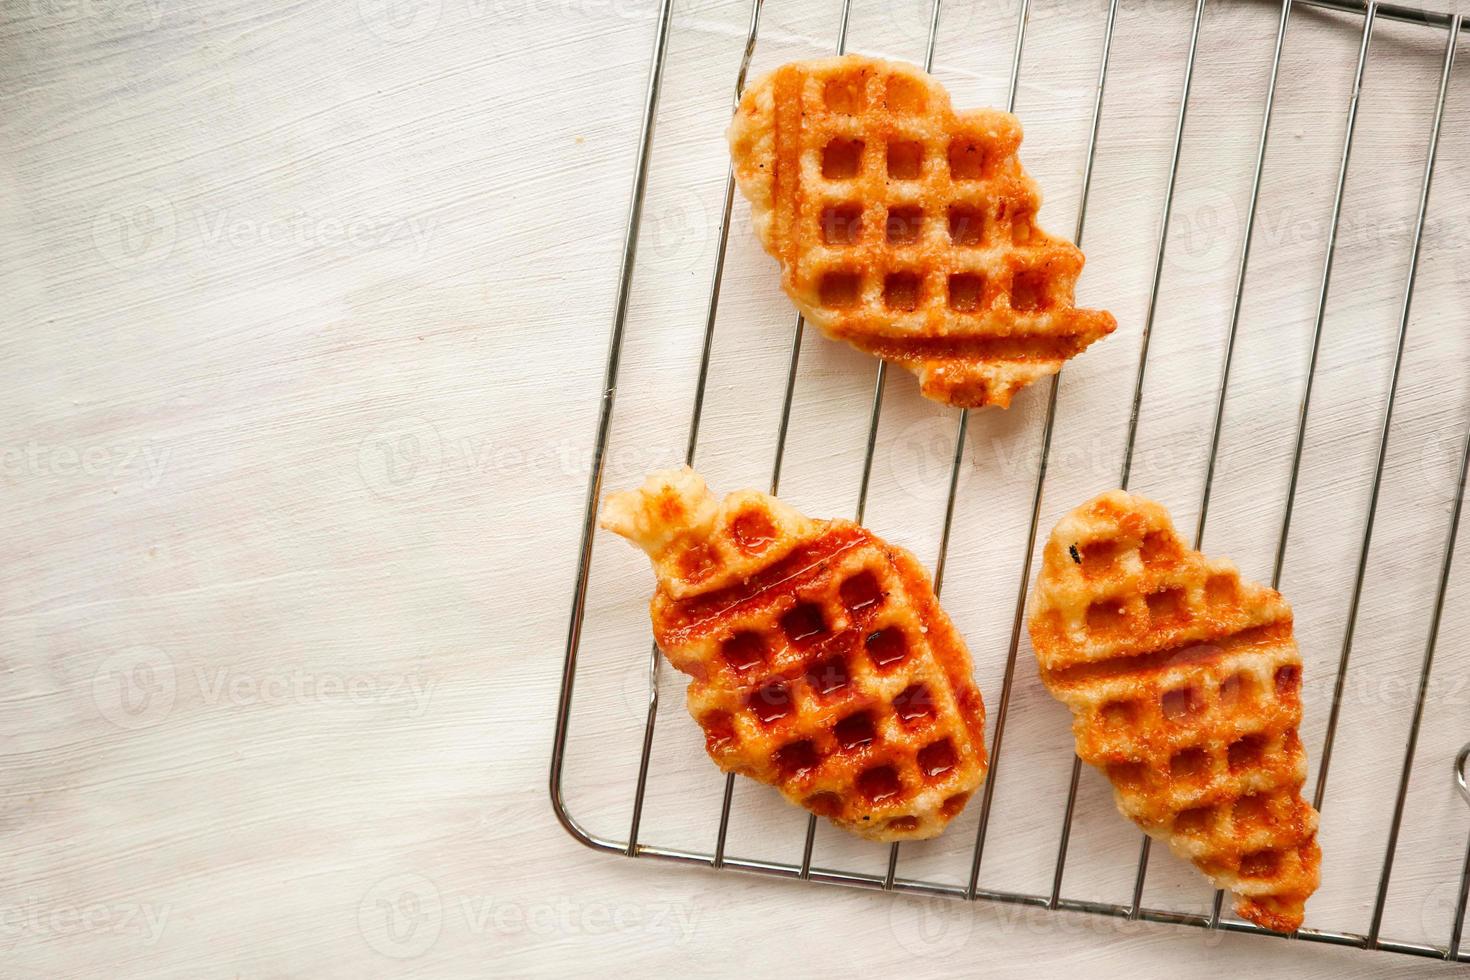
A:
[1148, 324]
[784, 427]
[1457, 929]
[988, 793]
[889, 880]
[655, 659]
[1449, 545]
[604, 418]
[1217, 424]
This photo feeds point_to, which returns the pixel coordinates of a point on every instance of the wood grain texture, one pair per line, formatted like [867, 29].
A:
[305, 311]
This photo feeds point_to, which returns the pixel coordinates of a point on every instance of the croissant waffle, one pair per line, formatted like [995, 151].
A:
[908, 229]
[1184, 683]
[820, 661]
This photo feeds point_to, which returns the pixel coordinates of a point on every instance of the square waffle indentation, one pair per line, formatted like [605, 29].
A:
[887, 647]
[842, 224]
[937, 758]
[905, 224]
[905, 95]
[966, 225]
[861, 591]
[1247, 752]
[845, 96]
[966, 158]
[903, 291]
[905, 160]
[967, 292]
[841, 289]
[1191, 763]
[1030, 292]
[855, 731]
[842, 159]
[914, 704]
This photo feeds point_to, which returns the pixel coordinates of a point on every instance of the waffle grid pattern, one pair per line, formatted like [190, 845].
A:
[1184, 682]
[909, 230]
[829, 672]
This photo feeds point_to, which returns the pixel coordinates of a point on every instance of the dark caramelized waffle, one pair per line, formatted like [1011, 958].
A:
[820, 661]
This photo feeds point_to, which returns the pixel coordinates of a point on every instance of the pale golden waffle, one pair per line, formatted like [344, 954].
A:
[908, 229]
[1185, 688]
[820, 660]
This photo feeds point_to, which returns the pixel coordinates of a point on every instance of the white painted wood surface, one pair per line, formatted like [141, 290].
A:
[305, 315]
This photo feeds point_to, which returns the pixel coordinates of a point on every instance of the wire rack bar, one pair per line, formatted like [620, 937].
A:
[797, 333]
[1148, 326]
[1454, 528]
[604, 416]
[696, 415]
[872, 443]
[1456, 929]
[1217, 423]
[1306, 403]
[1383, 435]
[958, 461]
[1199, 10]
[890, 881]
[796, 338]
[988, 793]
[1388, 11]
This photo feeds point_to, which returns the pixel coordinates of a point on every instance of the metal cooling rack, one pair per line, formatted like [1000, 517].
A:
[1451, 26]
